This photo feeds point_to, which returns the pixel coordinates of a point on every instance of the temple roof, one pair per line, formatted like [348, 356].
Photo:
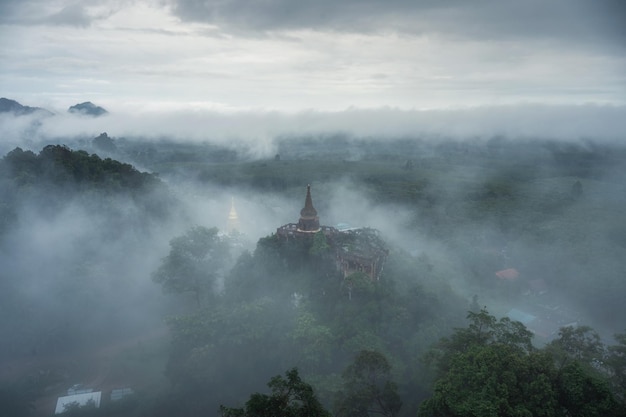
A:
[309, 222]
[308, 212]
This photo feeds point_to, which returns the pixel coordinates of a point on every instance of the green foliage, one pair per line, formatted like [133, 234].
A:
[57, 175]
[473, 196]
[494, 380]
[319, 246]
[275, 270]
[222, 351]
[194, 263]
[490, 369]
[584, 394]
[368, 388]
[282, 289]
[286, 304]
[577, 343]
[483, 330]
[61, 165]
[313, 340]
[75, 409]
[616, 362]
[291, 397]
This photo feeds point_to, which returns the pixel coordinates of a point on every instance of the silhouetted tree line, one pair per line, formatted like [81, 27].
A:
[57, 174]
[491, 368]
[59, 165]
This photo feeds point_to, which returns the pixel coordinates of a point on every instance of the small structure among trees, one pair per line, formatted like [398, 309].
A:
[355, 250]
[76, 401]
[361, 250]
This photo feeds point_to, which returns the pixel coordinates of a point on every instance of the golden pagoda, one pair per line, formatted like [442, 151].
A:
[233, 219]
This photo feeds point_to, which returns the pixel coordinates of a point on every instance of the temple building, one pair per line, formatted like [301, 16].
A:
[360, 250]
[309, 222]
[356, 250]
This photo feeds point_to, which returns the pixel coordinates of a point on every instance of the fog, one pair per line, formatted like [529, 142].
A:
[255, 131]
[457, 196]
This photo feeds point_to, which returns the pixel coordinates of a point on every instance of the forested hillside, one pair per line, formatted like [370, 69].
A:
[63, 214]
[75, 235]
[551, 210]
[95, 250]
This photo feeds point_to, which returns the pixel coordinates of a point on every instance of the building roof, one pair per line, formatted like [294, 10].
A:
[81, 399]
[510, 274]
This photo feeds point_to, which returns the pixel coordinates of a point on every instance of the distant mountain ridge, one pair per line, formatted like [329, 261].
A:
[87, 108]
[12, 106]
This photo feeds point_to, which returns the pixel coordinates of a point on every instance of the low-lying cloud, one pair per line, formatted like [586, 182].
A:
[257, 131]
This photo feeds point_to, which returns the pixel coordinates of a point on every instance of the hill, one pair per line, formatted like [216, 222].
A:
[87, 108]
[12, 106]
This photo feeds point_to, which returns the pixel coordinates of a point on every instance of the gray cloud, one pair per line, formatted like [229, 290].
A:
[576, 22]
[72, 15]
[60, 12]
[571, 20]
[286, 55]
[14, 11]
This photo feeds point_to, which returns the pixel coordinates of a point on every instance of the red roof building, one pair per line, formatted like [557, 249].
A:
[510, 274]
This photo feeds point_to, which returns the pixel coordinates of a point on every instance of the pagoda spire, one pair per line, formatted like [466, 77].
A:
[308, 211]
[309, 222]
[233, 219]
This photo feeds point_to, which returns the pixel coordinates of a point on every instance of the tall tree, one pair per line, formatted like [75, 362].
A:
[194, 263]
[483, 330]
[490, 369]
[616, 362]
[291, 397]
[577, 343]
[494, 380]
[368, 389]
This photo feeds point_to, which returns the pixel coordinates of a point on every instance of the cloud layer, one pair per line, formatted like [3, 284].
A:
[255, 133]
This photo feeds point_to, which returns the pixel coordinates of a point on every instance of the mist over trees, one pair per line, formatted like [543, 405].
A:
[94, 250]
[66, 215]
[194, 264]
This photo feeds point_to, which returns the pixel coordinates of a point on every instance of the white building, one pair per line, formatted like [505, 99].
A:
[81, 399]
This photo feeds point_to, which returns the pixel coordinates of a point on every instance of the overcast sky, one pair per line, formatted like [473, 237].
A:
[326, 55]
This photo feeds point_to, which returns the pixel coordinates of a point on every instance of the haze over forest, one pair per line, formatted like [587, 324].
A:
[466, 163]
